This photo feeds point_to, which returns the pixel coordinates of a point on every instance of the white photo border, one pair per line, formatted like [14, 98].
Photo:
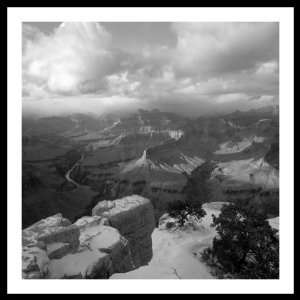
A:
[15, 17]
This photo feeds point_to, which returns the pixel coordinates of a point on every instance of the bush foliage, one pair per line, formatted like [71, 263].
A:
[246, 246]
[182, 209]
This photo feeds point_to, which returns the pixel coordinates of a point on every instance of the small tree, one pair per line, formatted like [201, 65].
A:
[182, 209]
[246, 245]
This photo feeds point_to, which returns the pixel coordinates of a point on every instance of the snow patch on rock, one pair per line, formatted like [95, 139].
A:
[254, 171]
[172, 133]
[189, 164]
[236, 147]
[79, 265]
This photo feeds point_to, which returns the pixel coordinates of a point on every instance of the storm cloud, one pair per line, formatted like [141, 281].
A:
[192, 68]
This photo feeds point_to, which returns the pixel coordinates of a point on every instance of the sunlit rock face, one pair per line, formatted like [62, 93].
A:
[252, 171]
[133, 216]
[31, 234]
[102, 252]
[116, 239]
[52, 237]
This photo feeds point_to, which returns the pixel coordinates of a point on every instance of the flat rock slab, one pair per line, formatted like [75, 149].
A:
[83, 264]
[102, 252]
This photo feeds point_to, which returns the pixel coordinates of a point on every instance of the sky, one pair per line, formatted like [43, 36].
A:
[188, 68]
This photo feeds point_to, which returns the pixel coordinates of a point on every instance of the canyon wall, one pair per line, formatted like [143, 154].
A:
[133, 216]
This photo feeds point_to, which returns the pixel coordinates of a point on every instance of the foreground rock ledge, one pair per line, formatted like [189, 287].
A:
[115, 239]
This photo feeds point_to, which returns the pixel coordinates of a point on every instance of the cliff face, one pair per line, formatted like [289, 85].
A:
[133, 216]
[116, 239]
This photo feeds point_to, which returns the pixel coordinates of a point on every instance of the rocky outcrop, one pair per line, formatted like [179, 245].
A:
[102, 252]
[116, 239]
[133, 216]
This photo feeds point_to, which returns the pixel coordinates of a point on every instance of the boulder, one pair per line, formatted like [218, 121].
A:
[68, 234]
[133, 216]
[108, 240]
[49, 238]
[102, 252]
[82, 264]
[116, 239]
[30, 234]
[34, 262]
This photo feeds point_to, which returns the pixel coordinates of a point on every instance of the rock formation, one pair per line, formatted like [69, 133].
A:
[116, 239]
[133, 217]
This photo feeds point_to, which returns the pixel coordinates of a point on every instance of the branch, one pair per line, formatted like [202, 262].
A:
[175, 272]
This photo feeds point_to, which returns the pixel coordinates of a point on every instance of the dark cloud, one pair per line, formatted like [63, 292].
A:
[193, 68]
[210, 49]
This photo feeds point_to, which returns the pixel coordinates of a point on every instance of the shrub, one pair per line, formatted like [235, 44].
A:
[182, 209]
[246, 245]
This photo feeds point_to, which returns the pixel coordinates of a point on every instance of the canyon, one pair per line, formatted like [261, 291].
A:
[95, 190]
